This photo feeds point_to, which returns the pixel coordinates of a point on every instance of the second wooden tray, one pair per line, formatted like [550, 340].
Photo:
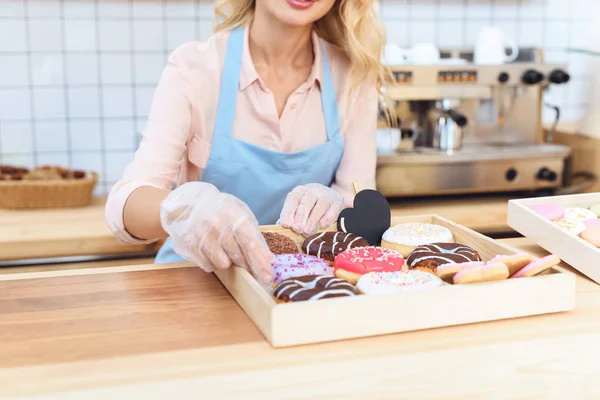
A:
[352, 317]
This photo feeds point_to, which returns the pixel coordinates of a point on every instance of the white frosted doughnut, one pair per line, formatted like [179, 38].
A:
[416, 234]
[394, 282]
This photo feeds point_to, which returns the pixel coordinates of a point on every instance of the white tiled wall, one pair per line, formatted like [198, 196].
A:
[77, 76]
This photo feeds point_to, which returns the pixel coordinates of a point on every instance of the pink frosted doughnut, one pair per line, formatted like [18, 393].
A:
[537, 267]
[549, 211]
[288, 266]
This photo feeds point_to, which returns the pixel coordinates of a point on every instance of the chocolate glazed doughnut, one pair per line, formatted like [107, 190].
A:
[430, 256]
[327, 245]
[313, 287]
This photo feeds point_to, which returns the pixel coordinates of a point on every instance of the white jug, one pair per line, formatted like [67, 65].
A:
[490, 47]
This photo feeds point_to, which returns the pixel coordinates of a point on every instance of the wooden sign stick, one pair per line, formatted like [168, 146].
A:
[355, 187]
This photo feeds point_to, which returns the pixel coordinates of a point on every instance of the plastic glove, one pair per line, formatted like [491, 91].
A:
[215, 230]
[311, 207]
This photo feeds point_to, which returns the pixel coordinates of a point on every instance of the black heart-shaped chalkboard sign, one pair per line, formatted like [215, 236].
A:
[370, 217]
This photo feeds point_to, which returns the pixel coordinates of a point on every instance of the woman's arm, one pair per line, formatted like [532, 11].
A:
[132, 210]
[360, 146]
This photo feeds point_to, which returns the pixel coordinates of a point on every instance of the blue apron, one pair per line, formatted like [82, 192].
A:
[260, 177]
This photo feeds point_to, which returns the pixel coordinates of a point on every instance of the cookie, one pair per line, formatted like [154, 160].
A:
[486, 273]
[514, 262]
[280, 244]
[549, 211]
[538, 266]
[446, 272]
[592, 235]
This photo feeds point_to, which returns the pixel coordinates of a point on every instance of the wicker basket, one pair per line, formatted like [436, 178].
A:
[47, 194]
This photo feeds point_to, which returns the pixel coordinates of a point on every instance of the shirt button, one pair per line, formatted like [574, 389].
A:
[293, 106]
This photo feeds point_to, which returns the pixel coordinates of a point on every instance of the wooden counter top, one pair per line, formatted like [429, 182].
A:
[158, 331]
[50, 233]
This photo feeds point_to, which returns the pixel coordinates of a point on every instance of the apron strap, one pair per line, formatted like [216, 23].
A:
[329, 101]
[230, 81]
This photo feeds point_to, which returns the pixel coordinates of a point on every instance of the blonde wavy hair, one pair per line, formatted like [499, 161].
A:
[353, 26]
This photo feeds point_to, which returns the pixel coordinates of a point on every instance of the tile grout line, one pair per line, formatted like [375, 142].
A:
[133, 85]
[100, 95]
[65, 85]
[32, 121]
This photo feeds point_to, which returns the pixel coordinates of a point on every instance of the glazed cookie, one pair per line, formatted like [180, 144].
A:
[327, 245]
[313, 287]
[570, 226]
[430, 256]
[537, 267]
[404, 238]
[592, 235]
[280, 244]
[514, 262]
[549, 211]
[579, 214]
[397, 281]
[288, 266]
[353, 263]
[486, 273]
[446, 272]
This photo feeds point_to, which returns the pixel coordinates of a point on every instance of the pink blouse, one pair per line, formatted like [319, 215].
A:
[176, 143]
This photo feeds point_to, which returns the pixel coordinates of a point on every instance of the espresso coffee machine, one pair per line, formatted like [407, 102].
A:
[469, 128]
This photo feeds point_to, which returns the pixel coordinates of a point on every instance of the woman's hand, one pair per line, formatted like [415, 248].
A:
[215, 230]
[311, 207]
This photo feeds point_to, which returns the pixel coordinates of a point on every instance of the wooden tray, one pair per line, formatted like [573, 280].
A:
[352, 317]
[571, 249]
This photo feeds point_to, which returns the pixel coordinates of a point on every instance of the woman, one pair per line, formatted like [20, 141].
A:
[249, 126]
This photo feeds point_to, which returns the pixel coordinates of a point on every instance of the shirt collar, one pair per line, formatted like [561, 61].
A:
[248, 74]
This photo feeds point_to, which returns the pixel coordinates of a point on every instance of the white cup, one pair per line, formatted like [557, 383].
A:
[423, 54]
[393, 54]
[490, 47]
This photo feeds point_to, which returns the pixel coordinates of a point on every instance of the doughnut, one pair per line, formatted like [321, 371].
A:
[313, 287]
[486, 273]
[397, 281]
[579, 214]
[537, 267]
[595, 209]
[327, 245]
[570, 226]
[446, 272]
[404, 238]
[429, 256]
[514, 262]
[351, 264]
[280, 244]
[288, 266]
[549, 211]
[592, 235]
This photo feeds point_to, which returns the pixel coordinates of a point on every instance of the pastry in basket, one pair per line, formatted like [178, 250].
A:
[280, 244]
[485, 273]
[288, 266]
[570, 226]
[313, 287]
[327, 245]
[537, 267]
[430, 256]
[353, 263]
[514, 262]
[10, 173]
[549, 211]
[579, 214]
[397, 281]
[404, 238]
[42, 175]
